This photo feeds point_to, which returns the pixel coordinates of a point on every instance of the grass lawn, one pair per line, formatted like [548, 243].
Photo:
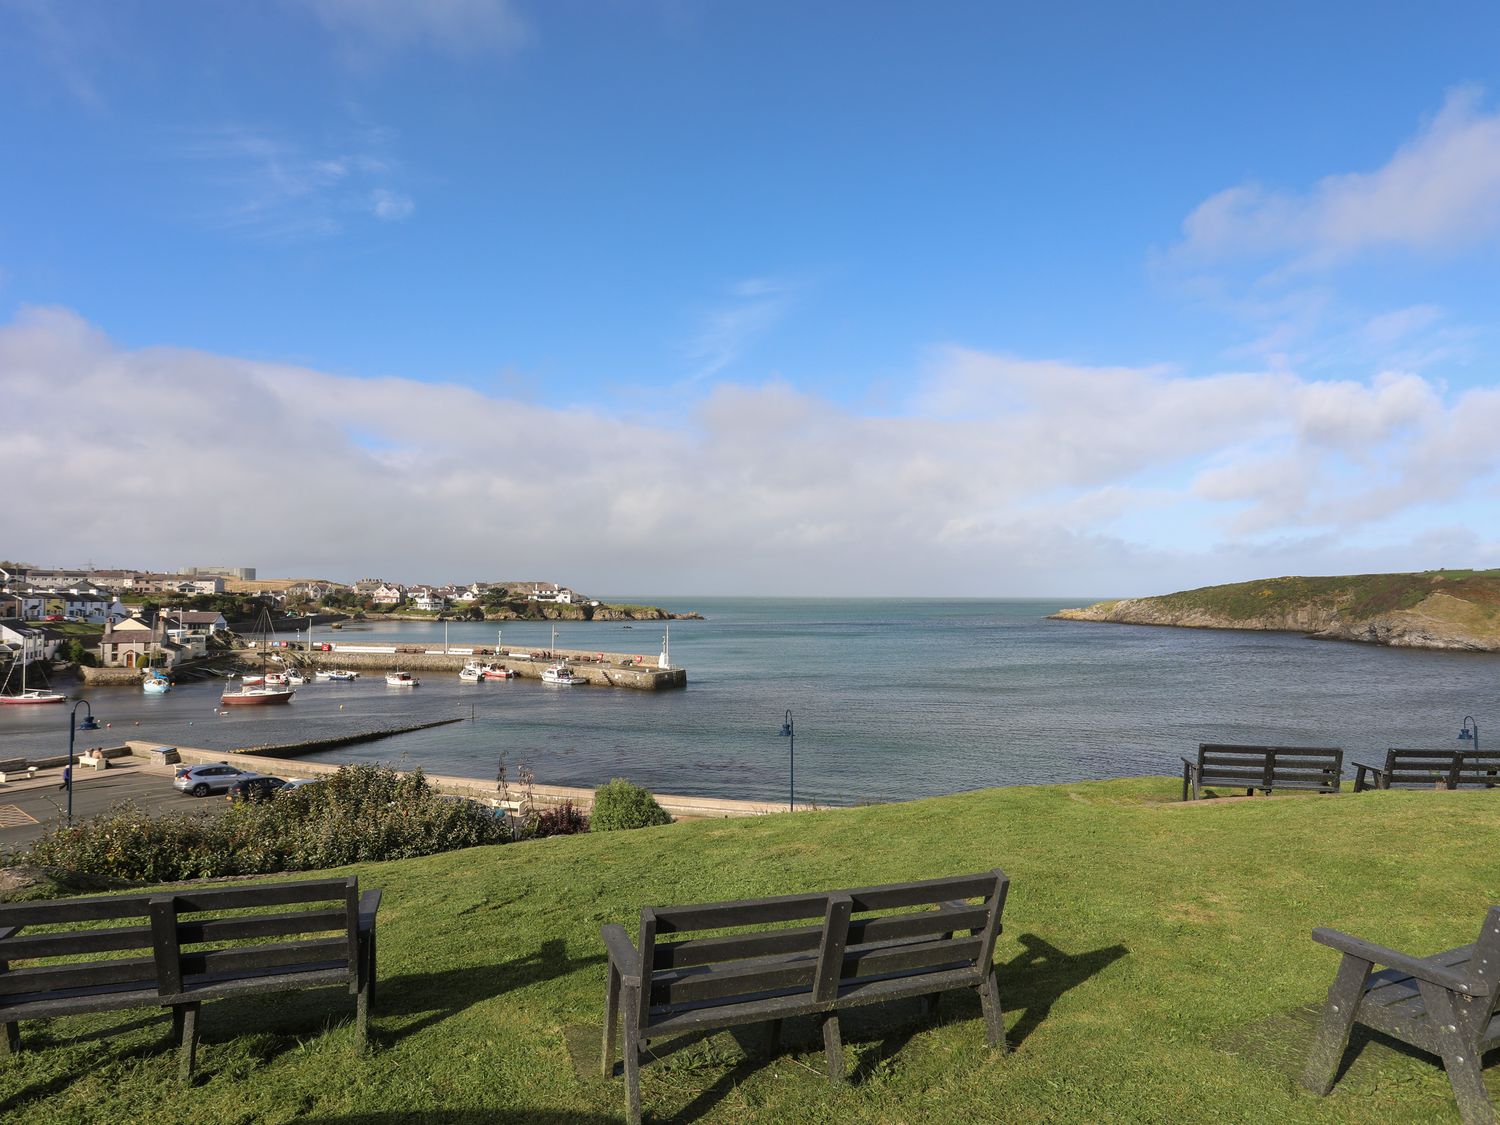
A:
[1155, 967]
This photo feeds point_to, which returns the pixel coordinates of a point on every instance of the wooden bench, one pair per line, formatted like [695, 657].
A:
[867, 946]
[1444, 1004]
[1430, 769]
[12, 768]
[1262, 768]
[179, 948]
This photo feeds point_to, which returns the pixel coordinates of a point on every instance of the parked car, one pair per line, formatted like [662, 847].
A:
[299, 782]
[257, 788]
[200, 781]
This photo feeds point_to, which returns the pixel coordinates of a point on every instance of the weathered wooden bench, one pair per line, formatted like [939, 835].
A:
[1430, 769]
[868, 947]
[1262, 768]
[178, 949]
[1444, 1004]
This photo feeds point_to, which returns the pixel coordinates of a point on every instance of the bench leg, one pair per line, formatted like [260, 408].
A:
[1461, 1059]
[1338, 1020]
[833, 1047]
[632, 1056]
[611, 1020]
[994, 1015]
[929, 1005]
[773, 1037]
[362, 1013]
[370, 974]
[187, 1054]
[12, 1038]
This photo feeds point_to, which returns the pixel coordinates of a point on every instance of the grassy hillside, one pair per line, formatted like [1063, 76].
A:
[1356, 596]
[1155, 966]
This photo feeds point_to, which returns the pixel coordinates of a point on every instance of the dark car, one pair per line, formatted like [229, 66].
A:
[255, 788]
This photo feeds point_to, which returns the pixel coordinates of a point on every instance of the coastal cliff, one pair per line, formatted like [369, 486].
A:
[1439, 609]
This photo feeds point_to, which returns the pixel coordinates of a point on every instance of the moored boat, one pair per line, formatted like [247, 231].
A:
[498, 672]
[401, 679]
[471, 673]
[295, 677]
[337, 675]
[560, 673]
[156, 684]
[252, 696]
[34, 695]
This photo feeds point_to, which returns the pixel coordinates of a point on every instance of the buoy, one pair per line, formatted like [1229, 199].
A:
[108, 725]
[341, 706]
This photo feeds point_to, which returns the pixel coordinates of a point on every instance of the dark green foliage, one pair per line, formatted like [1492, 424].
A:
[623, 804]
[360, 814]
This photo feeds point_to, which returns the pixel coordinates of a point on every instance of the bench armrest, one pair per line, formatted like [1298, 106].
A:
[622, 954]
[1416, 966]
[369, 904]
[1363, 766]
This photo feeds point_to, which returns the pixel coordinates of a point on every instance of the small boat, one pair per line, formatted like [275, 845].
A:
[401, 679]
[277, 679]
[337, 675]
[560, 673]
[498, 672]
[156, 685]
[295, 677]
[471, 673]
[35, 695]
[253, 681]
[252, 696]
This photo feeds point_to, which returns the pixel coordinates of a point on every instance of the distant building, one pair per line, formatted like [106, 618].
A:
[243, 573]
[388, 595]
[133, 643]
[550, 592]
[427, 600]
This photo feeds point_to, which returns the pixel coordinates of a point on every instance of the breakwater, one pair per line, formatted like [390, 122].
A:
[601, 669]
[312, 745]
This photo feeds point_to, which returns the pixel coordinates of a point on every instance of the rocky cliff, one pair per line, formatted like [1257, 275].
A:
[1442, 609]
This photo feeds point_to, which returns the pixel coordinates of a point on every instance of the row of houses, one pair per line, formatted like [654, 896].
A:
[113, 581]
[163, 639]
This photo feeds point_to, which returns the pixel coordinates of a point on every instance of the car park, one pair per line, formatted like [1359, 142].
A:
[215, 777]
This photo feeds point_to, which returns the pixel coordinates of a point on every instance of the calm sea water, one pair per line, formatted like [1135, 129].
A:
[890, 699]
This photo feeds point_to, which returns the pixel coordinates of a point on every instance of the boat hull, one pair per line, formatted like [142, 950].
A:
[32, 699]
[257, 698]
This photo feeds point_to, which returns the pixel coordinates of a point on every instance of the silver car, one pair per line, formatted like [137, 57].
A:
[200, 781]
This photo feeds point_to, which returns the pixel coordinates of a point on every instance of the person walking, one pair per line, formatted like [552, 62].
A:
[67, 777]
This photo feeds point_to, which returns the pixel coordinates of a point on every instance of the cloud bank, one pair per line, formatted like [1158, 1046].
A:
[1003, 475]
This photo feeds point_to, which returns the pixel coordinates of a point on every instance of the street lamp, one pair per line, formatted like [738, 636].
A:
[790, 734]
[1470, 731]
[89, 723]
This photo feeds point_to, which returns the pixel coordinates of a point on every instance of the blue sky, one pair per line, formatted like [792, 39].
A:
[769, 298]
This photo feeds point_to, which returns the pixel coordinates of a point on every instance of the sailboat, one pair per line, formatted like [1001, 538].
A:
[30, 695]
[263, 692]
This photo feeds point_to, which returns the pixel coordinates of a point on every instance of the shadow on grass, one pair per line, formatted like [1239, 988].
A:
[437, 996]
[1031, 982]
[468, 1117]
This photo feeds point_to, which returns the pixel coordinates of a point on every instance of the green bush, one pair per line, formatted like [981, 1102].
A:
[359, 814]
[623, 804]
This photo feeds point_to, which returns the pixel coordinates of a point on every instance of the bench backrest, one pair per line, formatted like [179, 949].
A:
[764, 956]
[13, 765]
[1265, 767]
[175, 940]
[1484, 961]
[1450, 768]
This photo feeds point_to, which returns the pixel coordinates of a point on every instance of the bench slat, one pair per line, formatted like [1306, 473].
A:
[193, 932]
[84, 974]
[236, 959]
[271, 894]
[60, 911]
[24, 946]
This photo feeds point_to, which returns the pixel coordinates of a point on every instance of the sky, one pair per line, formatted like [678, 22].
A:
[850, 298]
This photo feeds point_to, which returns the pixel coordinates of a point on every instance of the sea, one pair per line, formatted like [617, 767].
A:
[887, 699]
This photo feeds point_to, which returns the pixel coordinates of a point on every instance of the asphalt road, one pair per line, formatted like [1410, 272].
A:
[29, 809]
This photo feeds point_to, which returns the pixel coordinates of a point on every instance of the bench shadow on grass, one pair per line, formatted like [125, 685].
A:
[469, 1117]
[1030, 982]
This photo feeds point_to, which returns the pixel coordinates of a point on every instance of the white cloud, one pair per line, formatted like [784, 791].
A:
[754, 305]
[1439, 192]
[455, 27]
[1008, 476]
[264, 185]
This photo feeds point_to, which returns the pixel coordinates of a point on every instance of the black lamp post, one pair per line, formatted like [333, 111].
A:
[789, 733]
[1470, 731]
[89, 723]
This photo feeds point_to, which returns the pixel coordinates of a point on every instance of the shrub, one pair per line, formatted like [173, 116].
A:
[564, 820]
[623, 804]
[359, 814]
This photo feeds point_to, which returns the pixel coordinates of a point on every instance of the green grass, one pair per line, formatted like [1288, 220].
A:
[1155, 966]
[1356, 596]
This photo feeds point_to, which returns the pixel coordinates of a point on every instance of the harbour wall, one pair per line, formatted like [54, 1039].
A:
[602, 669]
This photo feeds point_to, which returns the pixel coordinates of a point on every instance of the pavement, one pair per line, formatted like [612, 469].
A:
[29, 809]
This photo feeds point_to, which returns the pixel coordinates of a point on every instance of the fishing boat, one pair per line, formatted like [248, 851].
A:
[471, 673]
[498, 672]
[30, 695]
[560, 673]
[337, 675]
[260, 691]
[295, 677]
[401, 679]
[156, 684]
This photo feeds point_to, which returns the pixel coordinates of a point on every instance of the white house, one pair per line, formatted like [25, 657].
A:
[26, 643]
[428, 600]
[551, 593]
[387, 595]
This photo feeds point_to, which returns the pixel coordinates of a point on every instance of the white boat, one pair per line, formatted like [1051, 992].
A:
[30, 695]
[277, 679]
[260, 690]
[559, 673]
[295, 677]
[253, 680]
[337, 675]
[156, 685]
[401, 679]
[471, 673]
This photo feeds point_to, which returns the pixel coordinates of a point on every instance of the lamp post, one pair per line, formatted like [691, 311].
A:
[89, 723]
[1469, 731]
[789, 733]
